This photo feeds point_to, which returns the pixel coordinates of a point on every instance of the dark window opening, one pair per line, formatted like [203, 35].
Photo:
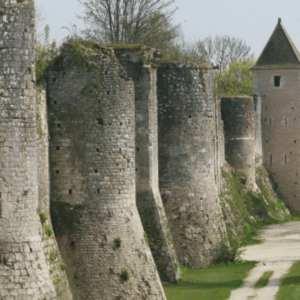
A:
[270, 121]
[55, 102]
[190, 117]
[277, 80]
[286, 121]
[107, 92]
[57, 171]
[98, 150]
[70, 192]
[138, 149]
[57, 148]
[285, 159]
[295, 142]
[121, 124]
[271, 159]
[295, 182]
[105, 72]
[96, 171]
[53, 79]
[58, 125]
[136, 169]
[98, 191]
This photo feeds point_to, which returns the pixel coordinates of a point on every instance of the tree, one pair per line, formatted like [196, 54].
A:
[223, 49]
[235, 79]
[129, 21]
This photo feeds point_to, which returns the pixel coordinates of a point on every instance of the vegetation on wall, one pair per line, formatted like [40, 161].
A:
[245, 211]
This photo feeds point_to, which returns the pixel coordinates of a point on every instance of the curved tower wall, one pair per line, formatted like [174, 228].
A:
[186, 161]
[140, 66]
[24, 269]
[238, 118]
[93, 202]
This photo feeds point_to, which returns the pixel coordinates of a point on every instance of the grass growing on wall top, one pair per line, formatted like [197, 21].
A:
[215, 282]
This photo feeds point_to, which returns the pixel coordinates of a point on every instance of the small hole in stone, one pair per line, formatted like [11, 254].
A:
[105, 73]
[96, 171]
[70, 192]
[98, 150]
[55, 102]
[136, 169]
[138, 149]
[53, 79]
[98, 191]
[121, 123]
[73, 244]
[57, 171]
[58, 125]
[190, 117]
[107, 92]
[295, 141]
[57, 148]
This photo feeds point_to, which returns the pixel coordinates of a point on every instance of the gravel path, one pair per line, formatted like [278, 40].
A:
[279, 251]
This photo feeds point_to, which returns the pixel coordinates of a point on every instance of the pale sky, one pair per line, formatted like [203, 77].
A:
[250, 20]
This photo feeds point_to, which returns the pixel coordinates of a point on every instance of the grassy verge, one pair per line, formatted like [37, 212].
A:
[290, 287]
[263, 280]
[250, 211]
[215, 282]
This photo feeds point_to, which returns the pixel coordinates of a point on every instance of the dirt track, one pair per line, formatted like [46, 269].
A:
[279, 251]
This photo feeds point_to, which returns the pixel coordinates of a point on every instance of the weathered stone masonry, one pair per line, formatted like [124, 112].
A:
[187, 135]
[24, 269]
[140, 65]
[96, 221]
[238, 117]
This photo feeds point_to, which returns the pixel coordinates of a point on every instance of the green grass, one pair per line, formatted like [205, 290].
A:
[215, 282]
[263, 280]
[290, 287]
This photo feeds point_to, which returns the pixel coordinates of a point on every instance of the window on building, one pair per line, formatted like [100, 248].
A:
[277, 80]
[271, 159]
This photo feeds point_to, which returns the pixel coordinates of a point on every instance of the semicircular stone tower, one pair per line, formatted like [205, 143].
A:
[92, 162]
[238, 118]
[187, 177]
[24, 268]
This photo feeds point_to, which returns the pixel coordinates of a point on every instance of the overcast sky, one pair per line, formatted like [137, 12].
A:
[251, 20]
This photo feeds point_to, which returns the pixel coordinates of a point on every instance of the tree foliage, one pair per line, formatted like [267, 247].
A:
[235, 79]
[130, 21]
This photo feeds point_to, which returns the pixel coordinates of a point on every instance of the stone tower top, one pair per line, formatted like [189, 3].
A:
[280, 50]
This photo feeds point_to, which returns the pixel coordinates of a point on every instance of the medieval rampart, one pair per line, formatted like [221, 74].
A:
[238, 118]
[187, 132]
[95, 218]
[140, 65]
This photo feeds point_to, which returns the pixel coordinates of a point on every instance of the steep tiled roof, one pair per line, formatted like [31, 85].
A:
[280, 49]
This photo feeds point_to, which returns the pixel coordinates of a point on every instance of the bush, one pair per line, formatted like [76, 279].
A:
[48, 231]
[125, 275]
[118, 242]
[230, 252]
[63, 266]
[52, 256]
[43, 217]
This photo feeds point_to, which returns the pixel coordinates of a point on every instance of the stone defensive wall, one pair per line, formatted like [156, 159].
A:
[93, 195]
[25, 265]
[238, 118]
[141, 66]
[187, 179]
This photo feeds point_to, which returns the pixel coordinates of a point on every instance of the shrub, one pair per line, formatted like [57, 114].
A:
[146, 237]
[52, 256]
[125, 275]
[43, 217]
[63, 266]
[229, 252]
[48, 231]
[118, 242]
